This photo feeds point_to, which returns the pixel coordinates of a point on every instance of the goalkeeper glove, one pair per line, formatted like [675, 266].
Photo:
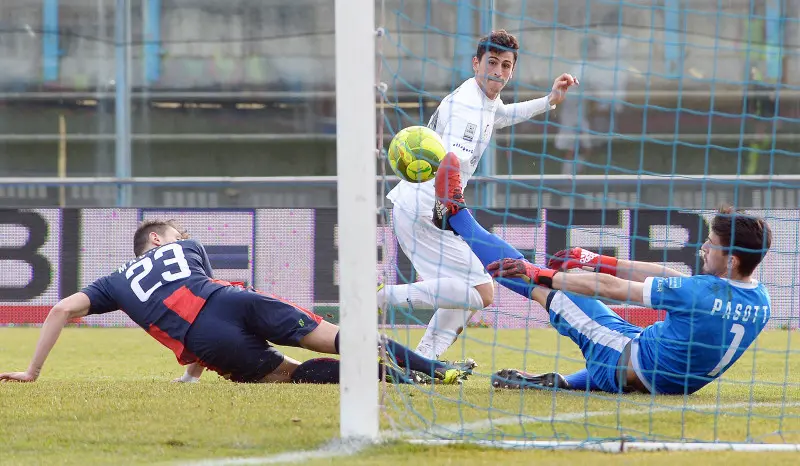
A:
[521, 268]
[576, 258]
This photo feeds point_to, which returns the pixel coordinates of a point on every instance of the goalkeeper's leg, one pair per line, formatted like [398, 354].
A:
[450, 213]
[602, 335]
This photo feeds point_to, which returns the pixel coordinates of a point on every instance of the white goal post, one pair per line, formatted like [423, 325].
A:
[357, 219]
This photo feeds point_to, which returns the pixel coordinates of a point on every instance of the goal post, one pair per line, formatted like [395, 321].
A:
[357, 200]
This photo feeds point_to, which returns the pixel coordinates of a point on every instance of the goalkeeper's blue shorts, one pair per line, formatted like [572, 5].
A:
[600, 332]
[233, 332]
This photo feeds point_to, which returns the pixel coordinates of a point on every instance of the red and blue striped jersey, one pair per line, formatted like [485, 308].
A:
[162, 291]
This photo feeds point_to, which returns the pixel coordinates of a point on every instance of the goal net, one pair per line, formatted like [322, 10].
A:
[682, 106]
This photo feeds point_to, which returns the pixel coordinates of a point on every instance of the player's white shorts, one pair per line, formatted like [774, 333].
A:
[436, 253]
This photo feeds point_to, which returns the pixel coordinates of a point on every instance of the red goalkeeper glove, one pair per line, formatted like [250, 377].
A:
[578, 258]
[521, 268]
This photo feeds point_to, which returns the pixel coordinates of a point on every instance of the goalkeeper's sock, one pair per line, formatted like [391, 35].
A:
[581, 380]
[442, 331]
[489, 248]
[430, 295]
[407, 358]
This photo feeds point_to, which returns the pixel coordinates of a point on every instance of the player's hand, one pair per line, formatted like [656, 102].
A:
[520, 268]
[584, 259]
[17, 377]
[560, 87]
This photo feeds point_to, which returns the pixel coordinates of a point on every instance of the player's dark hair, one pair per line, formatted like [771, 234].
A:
[140, 238]
[744, 236]
[498, 42]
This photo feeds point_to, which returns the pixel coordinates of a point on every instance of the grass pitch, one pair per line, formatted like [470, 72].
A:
[105, 398]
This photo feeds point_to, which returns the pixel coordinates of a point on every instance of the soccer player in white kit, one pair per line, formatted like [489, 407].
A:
[455, 283]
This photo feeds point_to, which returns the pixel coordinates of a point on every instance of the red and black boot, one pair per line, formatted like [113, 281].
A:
[449, 196]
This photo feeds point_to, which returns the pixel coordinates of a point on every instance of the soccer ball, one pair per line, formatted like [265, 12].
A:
[415, 153]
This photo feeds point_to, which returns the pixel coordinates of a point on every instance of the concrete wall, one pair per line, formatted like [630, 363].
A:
[288, 44]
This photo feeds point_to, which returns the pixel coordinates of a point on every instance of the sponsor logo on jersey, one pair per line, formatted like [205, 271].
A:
[659, 285]
[469, 132]
[674, 282]
[463, 147]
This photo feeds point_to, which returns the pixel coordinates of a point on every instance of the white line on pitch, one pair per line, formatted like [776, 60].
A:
[338, 449]
[333, 449]
[451, 429]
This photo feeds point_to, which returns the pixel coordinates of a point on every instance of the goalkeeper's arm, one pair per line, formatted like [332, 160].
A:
[638, 271]
[587, 284]
[635, 271]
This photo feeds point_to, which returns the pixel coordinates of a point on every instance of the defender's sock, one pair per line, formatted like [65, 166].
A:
[318, 370]
[407, 358]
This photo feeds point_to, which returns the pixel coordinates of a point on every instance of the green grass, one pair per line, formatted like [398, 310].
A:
[105, 398]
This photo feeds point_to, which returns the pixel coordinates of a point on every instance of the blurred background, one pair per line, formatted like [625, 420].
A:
[245, 88]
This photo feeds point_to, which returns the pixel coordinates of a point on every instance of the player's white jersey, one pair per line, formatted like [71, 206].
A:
[465, 120]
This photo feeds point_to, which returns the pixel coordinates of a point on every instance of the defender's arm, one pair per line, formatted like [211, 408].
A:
[68, 308]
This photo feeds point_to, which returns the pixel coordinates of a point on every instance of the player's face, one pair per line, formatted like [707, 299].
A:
[715, 256]
[493, 71]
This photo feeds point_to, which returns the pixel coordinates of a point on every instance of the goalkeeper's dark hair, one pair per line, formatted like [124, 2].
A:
[498, 42]
[744, 236]
[149, 226]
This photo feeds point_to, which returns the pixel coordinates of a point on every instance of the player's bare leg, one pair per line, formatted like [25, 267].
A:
[322, 339]
[283, 373]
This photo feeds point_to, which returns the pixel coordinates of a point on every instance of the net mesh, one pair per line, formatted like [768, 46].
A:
[682, 106]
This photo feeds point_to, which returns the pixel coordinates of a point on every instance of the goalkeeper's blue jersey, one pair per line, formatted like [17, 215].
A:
[710, 323]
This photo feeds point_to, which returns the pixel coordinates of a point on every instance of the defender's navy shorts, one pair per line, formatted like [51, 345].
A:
[233, 332]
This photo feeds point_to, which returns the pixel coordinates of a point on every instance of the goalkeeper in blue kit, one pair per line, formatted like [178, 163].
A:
[711, 318]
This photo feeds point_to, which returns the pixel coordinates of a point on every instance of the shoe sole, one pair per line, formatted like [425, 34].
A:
[512, 379]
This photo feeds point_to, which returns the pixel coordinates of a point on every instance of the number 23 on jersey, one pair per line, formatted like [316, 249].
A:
[174, 263]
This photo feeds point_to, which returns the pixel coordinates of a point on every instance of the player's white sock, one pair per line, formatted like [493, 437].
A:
[442, 331]
[431, 294]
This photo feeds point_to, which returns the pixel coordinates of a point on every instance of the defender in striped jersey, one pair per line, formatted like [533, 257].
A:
[168, 290]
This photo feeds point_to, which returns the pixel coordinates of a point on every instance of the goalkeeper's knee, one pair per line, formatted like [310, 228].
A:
[318, 370]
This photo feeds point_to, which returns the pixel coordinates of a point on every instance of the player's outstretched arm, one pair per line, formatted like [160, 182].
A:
[68, 308]
[636, 271]
[511, 114]
[588, 284]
